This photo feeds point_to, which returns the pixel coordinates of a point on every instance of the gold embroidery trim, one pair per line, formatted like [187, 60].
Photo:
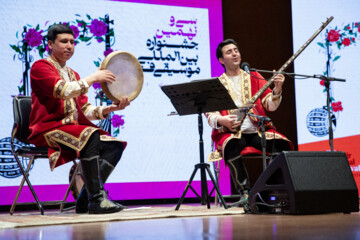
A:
[97, 113]
[58, 136]
[54, 157]
[109, 138]
[85, 108]
[265, 101]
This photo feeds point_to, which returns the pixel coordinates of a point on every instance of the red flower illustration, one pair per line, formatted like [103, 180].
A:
[333, 36]
[322, 82]
[336, 106]
[346, 42]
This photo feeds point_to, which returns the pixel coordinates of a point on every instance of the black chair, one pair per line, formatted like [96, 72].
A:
[253, 161]
[20, 132]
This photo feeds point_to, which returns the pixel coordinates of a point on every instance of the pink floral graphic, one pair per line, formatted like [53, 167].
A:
[75, 31]
[98, 28]
[117, 121]
[85, 30]
[107, 52]
[96, 85]
[33, 37]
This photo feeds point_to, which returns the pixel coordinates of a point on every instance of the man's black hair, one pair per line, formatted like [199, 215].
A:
[58, 29]
[219, 53]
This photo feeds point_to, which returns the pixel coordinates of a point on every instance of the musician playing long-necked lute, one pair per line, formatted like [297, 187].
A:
[234, 130]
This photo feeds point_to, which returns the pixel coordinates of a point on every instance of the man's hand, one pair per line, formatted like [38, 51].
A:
[229, 121]
[278, 82]
[115, 106]
[100, 76]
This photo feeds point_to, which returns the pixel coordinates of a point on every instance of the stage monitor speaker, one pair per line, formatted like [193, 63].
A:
[305, 183]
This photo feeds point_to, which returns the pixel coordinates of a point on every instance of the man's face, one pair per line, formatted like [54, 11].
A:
[62, 48]
[231, 56]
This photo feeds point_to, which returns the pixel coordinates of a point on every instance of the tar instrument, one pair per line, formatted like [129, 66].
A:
[129, 76]
[242, 114]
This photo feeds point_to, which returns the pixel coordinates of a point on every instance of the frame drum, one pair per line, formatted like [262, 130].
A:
[129, 76]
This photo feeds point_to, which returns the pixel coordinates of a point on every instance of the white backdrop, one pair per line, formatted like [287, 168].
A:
[307, 18]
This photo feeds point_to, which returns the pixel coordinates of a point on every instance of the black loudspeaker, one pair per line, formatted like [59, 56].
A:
[305, 183]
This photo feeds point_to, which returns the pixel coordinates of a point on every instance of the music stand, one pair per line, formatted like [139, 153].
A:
[197, 97]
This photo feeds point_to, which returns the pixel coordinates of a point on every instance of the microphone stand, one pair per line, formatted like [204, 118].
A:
[261, 123]
[327, 81]
[100, 95]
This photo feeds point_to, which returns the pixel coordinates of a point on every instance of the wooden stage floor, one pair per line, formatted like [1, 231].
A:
[243, 226]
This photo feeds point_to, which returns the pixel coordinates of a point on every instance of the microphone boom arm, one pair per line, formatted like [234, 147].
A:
[290, 60]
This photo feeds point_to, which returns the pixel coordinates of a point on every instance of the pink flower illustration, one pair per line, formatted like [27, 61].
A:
[75, 31]
[107, 52]
[98, 28]
[96, 85]
[33, 37]
[117, 121]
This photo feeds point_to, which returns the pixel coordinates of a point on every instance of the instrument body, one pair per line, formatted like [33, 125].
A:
[129, 76]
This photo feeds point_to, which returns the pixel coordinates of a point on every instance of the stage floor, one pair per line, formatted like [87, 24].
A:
[239, 226]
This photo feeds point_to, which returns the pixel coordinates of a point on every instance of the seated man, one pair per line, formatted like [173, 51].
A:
[232, 136]
[60, 119]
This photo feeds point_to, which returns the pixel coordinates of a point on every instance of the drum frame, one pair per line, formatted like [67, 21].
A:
[137, 65]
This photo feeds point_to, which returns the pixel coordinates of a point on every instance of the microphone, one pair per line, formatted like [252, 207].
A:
[246, 67]
[267, 119]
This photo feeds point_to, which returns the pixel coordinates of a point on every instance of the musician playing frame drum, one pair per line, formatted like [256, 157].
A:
[61, 120]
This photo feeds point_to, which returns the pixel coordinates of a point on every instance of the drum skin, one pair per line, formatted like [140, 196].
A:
[129, 76]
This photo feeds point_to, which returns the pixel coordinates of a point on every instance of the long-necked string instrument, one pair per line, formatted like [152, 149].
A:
[240, 112]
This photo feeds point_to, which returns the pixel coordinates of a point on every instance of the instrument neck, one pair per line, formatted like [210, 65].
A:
[290, 60]
[261, 91]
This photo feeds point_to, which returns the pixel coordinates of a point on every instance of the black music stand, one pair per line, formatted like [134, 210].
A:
[197, 97]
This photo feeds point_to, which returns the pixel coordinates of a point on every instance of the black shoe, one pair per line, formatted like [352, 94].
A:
[82, 202]
[100, 205]
[105, 195]
[120, 206]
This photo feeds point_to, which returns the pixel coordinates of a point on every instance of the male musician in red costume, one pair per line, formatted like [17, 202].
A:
[230, 135]
[60, 119]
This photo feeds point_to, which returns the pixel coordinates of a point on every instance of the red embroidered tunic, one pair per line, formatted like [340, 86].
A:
[57, 118]
[249, 87]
